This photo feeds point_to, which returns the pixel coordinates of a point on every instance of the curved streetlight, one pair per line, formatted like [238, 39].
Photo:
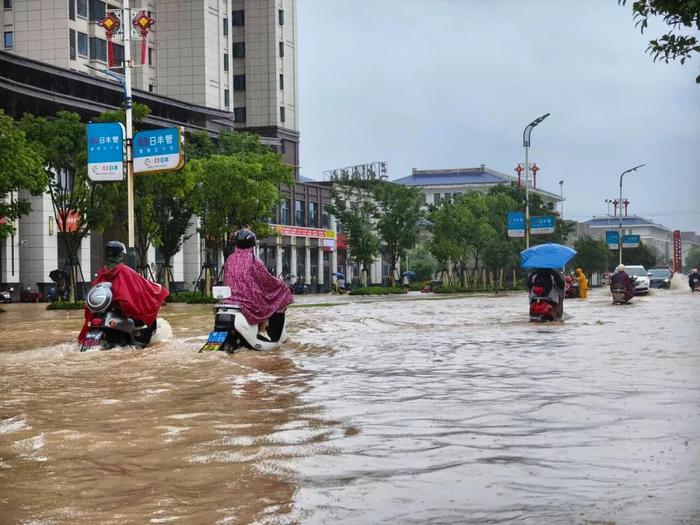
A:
[619, 240]
[526, 144]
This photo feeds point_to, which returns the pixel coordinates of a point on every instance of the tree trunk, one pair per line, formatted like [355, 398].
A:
[166, 277]
[500, 279]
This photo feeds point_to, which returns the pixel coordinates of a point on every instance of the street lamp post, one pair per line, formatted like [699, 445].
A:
[619, 240]
[526, 144]
[561, 196]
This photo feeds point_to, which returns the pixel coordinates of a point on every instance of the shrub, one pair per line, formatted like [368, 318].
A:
[65, 305]
[378, 290]
[191, 298]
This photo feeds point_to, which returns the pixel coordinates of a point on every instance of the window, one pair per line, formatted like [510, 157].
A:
[282, 115]
[118, 54]
[239, 50]
[82, 44]
[7, 4]
[150, 56]
[238, 19]
[281, 81]
[150, 88]
[280, 16]
[225, 61]
[424, 199]
[82, 8]
[284, 211]
[448, 196]
[313, 214]
[225, 26]
[301, 263]
[71, 44]
[239, 82]
[239, 114]
[227, 100]
[436, 198]
[326, 219]
[98, 49]
[71, 9]
[281, 49]
[298, 213]
[9, 40]
[97, 10]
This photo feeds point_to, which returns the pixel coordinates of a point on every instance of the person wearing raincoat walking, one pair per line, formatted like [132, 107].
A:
[582, 283]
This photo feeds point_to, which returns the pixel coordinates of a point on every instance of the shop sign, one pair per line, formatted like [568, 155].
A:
[541, 225]
[612, 238]
[516, 224]
[342, 241]
[300, 231]
[71, 222]
[105, 151]
[158, 150]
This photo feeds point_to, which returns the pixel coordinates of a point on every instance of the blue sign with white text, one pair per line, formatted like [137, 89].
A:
[541, 225]
[612, 238]
[105, 151]
[516, 224]
[157, 150]
[630, 241]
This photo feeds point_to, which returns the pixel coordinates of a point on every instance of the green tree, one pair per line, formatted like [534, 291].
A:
[692, 260]
[353, 205]
[21, 168]
[420, 260]
[235, 191]
[679, 15]
[592, 255]
[643, 255]
[397, 216]
[60, 142]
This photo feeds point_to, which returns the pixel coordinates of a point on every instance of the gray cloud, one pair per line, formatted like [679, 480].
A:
[452, 83]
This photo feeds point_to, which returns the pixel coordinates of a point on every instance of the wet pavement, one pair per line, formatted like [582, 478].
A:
[414, 409]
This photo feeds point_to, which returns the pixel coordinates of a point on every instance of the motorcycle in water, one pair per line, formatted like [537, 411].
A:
[543, 307]
[619, 296]
[232, 331]
[571, 287]
[109, 327]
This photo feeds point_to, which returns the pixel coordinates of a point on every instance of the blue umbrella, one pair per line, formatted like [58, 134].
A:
[409, 273]
[339, 275]
[550, 255]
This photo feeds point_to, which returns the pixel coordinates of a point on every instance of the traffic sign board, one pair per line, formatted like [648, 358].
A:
[516, 224]
[158, 150]
[612, 238]
[105, 151]
[541, 225]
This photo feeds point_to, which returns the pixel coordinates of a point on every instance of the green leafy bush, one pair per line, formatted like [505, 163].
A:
[66, 305]
[191, 298]
[378, 290]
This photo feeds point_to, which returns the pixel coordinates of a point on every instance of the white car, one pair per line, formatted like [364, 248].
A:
[639, 277]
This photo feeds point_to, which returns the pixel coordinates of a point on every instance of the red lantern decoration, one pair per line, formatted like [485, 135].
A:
[143, 23]
[534, 170]
[111, 23]
[519, 169]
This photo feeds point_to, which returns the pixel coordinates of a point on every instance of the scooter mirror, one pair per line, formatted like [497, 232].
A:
[221, 292]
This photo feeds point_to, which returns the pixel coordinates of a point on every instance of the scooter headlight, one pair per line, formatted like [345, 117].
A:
[99, 297]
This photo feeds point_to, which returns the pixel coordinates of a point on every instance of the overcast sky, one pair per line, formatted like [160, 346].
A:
[452, 83]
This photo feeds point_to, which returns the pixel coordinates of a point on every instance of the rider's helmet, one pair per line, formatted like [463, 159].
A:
[115, 252]
[245, 238]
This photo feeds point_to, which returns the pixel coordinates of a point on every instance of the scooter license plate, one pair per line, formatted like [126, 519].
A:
[93, 338]
[214, 342]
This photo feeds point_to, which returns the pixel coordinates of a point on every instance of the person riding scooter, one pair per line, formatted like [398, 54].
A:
[136, 297]
[694, 280]
[549, 284]
[258, 294]
[621, 281]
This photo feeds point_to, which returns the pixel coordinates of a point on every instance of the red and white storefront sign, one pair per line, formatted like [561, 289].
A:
[300, 231]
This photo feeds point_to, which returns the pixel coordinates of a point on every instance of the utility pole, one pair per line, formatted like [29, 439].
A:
[620, 215]
[126, 24]
[526, 144]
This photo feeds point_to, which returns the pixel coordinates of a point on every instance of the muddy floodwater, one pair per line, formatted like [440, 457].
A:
[398, 410]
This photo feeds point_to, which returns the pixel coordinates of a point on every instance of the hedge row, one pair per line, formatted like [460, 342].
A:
[378, 290]
[65, 305]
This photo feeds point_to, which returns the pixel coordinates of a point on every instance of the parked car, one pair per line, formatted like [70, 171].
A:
[639, 277]
[6, 296]
[659, 278]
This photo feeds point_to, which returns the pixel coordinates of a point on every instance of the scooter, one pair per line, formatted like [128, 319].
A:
[570, 287]
[543, 307]
[232, 331]
[619, 296]
[109, 327]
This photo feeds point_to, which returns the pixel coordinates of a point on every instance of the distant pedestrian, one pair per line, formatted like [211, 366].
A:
[582, 283]
[406, 282]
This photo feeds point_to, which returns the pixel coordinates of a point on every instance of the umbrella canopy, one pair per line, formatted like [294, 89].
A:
[550, 255]
[57, 275]
[339, 275]
[409, 273]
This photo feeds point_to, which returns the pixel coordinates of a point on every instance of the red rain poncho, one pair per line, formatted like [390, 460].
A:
[135, 296]
[253, 289]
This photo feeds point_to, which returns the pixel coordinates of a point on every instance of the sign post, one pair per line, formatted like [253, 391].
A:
[630, 241]
[158, 150]
[105, 151]
[612, 237]
[542, 225]
[516, 224]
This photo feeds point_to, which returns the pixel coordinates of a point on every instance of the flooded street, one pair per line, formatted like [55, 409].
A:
[407, 410]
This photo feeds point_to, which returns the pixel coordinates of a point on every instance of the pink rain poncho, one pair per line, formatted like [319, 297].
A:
[258, 293]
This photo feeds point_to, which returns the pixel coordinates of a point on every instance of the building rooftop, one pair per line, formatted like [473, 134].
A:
[462, 177]
[632, 220]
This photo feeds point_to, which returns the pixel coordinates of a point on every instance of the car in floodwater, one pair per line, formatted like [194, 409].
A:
[659, 278]
[639, 277]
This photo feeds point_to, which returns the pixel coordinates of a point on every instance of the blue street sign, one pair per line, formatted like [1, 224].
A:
[516, 224]
[105, 151]
[541, 225]
[630, 241]
[158, 150]
[612, 238]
